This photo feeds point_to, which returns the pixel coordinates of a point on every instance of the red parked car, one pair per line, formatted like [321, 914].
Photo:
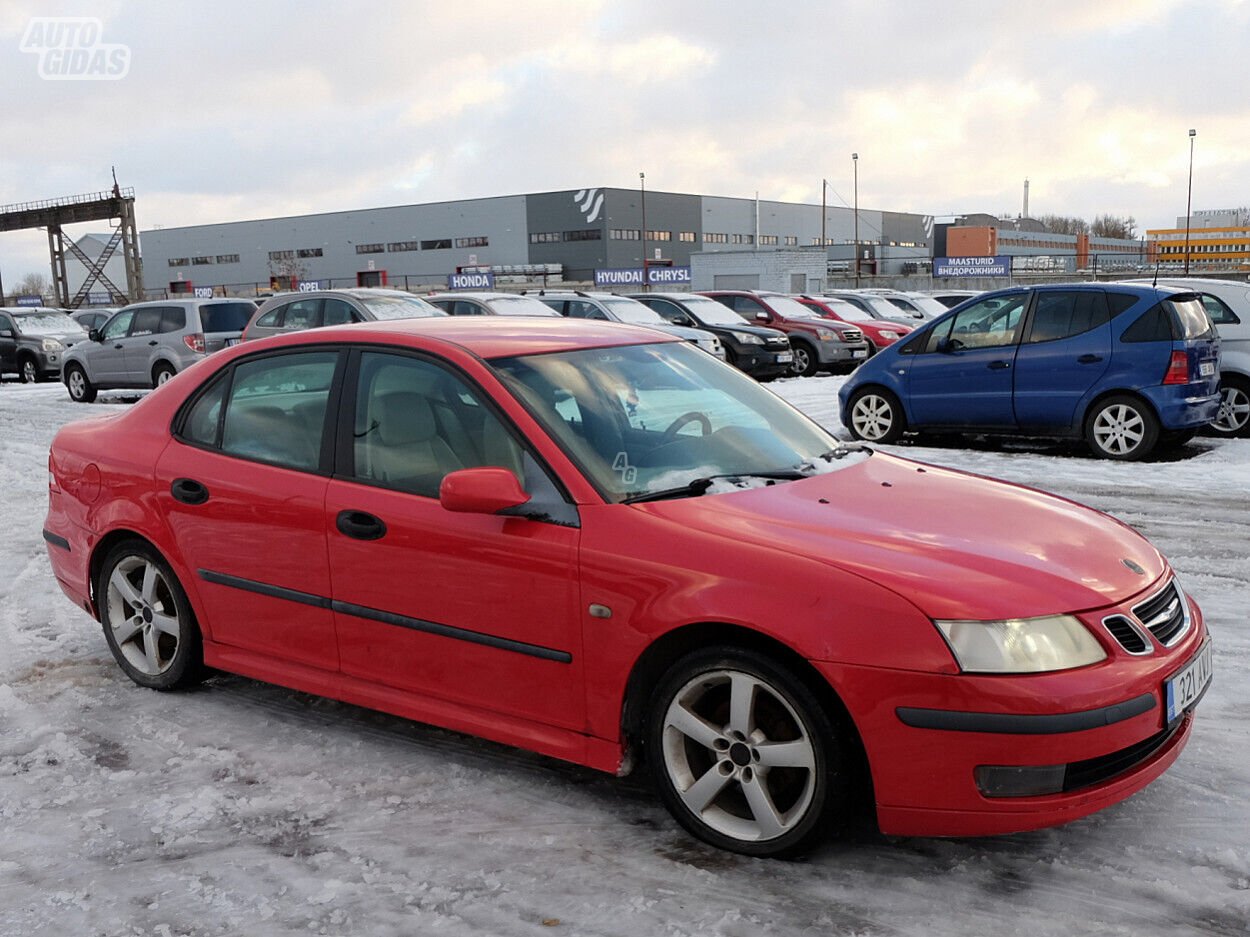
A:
[596, 542]
[878, 332]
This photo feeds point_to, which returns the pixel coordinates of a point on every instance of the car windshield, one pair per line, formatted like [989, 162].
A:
[883, 309]
[399, 306]
[667, 420]
[633, 312]
[711, 312]
[47, 323]
[520, 306]
[928, 305]
[789, 308]
[848, 311]
[226, 317]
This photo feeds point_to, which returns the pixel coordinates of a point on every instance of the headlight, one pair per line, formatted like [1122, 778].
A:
[890, 335]
[51, 344]
[826, 336]
[1021, 645]
[747, 338]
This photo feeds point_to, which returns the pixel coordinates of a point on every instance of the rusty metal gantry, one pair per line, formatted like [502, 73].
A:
[54, 214]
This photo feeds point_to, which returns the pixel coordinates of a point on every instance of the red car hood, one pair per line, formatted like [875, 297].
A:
[956, 545]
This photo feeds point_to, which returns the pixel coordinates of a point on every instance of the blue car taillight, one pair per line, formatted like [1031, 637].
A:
[1178, 369]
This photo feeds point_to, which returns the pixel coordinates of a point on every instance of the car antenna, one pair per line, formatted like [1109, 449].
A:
[1155, 281]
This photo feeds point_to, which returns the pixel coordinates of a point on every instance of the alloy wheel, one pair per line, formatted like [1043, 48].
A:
[1119, 429]
[143, 615]
[1234, 414]
[872, 417]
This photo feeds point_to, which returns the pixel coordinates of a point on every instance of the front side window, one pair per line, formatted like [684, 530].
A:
[119, 325]
[641, 420]
[304, 314]
[990, 323]
[277, 407]
[337, 312]
[147, 321]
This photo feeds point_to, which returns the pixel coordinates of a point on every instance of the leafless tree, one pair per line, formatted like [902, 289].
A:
[33, 284]
[1110, 226]
[1064, 224]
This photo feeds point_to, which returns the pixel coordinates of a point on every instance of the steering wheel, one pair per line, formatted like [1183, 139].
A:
[693, 416]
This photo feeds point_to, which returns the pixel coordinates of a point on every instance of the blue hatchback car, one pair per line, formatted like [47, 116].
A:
[1127, 368]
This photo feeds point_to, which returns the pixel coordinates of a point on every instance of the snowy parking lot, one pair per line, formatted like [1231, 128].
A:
[242, 808]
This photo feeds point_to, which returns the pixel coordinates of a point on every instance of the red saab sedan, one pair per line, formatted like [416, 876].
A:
[598, 543]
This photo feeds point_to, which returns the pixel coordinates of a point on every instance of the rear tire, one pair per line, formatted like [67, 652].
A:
[876, 416]
[161, 373]
[1233, 420]
[1122, 428]
[743, 754]
[79, 387]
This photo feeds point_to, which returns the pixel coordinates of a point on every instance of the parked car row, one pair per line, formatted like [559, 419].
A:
[34, 340]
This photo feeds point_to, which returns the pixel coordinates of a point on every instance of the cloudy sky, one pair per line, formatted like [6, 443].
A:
[233, 110]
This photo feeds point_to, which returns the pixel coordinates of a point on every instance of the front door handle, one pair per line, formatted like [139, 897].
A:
[999, 365]
[188, 491]
[360, 526]
[1089, 359]
[154, 342]
[118, 347]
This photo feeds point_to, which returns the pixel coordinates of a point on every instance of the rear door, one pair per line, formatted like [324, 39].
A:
[1065, 351]
[963, 374]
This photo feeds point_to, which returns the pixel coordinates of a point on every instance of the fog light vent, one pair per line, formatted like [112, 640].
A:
[1020, 781]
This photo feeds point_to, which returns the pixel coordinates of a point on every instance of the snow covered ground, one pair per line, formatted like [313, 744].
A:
[242, 808]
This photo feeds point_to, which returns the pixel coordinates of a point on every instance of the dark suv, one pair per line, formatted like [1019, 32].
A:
[819, 344]
[33, 340]
[761, 352]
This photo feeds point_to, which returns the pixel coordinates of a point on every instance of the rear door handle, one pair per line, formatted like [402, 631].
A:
[1089, 359]
[360, 526]
[999, 365]
[154, 342]
[188, 491]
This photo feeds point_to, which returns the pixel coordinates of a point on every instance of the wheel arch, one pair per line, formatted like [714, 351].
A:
[158, 363]
[101, 550]
[656, 659]
[1083, 422]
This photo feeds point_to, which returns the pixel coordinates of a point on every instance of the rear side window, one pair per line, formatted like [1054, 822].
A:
[1066, 313]
[147, 321]
[337, 312]
[226, 317]
[277, 407]
[173, 319]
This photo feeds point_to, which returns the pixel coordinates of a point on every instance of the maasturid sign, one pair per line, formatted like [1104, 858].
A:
[999, 266]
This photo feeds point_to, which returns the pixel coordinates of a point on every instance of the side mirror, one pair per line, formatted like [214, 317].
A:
[95, 336]
[762, 316]
[6, 333]
[481, 491]
[683, 320]
[948, 345]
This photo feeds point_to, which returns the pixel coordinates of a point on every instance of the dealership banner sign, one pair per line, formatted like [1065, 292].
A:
[30, 300]
[972, 266]
[635, 276]
[471, 281]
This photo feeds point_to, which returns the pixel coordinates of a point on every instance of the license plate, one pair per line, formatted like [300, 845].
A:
[860, 354]
[232, 341]
[785, 359]
[1185, 687]
[1206, 368]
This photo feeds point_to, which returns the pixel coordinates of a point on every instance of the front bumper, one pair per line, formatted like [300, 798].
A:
[930, 737]
[764, 361]
[833, 353]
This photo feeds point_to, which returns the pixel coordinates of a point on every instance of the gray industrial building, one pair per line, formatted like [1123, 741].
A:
[572, 233]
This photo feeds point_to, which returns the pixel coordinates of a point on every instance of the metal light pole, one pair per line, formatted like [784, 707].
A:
[824, 184]
[1189, 197]
[855, 164]
[642, 185]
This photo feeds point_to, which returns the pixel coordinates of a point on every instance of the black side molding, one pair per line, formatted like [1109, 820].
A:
[55, 540]
[263, 588]
[1012, 724]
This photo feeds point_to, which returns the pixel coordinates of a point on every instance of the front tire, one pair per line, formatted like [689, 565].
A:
[806, 362]
[79, 387]
[1233, 420]
[743, 754]
[29, 371]
[147, 620]
[1121, 428]
[876, 416]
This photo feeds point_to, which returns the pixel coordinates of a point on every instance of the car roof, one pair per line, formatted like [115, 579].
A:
[486, 337]
[479, 294]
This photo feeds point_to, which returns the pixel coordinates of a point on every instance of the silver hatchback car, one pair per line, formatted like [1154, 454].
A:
[145, 344]
[313, 309]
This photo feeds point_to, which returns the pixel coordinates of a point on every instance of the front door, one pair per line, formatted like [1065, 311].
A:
[478, 610]
[106, 361]
[963, 375]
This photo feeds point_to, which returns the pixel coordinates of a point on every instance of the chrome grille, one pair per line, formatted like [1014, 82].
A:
[1164, 614]
[1126, 633]
[852, 335]
[778, 341]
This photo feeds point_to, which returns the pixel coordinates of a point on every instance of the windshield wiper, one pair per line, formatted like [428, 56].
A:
[699, 486]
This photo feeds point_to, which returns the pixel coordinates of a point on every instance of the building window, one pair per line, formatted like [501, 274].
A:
[659, 235]
[584, 234]
[709, 238]
[368, 248]
[768, 239]
[744, 239]
[792, 240]
[397, 247]
[686, 236]
[473, 242]
[282, 255]
[436, 244]
[546, 237]
[200, 261]
[623, 234]
[227, 258]
[309, 252]
[179, 261]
